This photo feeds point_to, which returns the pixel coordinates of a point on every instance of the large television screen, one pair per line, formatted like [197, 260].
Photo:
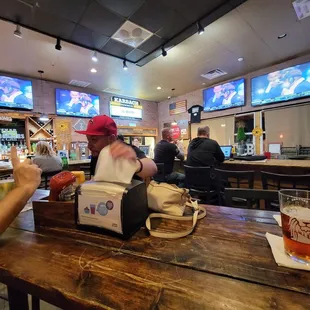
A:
[15, 93]
[125, 108]
[225, 96]
[74, 103]
[283, 85]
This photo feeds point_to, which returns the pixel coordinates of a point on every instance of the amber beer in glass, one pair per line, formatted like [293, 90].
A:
[295, 215]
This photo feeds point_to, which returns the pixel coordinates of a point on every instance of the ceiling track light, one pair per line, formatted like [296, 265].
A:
[125, 67]
[94, 57]
[163, 52]
[58, 45]
[17, 32]
[200, 29]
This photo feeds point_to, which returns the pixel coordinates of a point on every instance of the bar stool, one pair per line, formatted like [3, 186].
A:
[202, 184]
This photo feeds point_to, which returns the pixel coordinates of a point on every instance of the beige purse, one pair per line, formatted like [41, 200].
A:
[172, 202]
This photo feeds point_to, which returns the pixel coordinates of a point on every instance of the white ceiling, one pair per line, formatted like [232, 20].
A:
[250, 32]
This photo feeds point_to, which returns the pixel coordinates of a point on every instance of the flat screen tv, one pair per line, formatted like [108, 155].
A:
[15, 93]
[282, 85]
[224, 96]
[74, 103]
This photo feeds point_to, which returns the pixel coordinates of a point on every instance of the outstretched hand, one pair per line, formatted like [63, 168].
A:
[26, 175]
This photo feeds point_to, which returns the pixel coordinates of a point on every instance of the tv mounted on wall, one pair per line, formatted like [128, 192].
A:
[224, 96]
[16, 93]
[282, 85]
[74, 103]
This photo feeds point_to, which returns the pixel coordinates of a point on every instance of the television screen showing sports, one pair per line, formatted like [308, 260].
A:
[225, 96]
[15, 93]
[74, 103]
[125, 108]
[282, 85]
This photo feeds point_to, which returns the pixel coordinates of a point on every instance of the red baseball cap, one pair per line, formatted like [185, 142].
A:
[101, 125]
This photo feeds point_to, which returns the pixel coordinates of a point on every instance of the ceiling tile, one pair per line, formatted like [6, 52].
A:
[116, 48]
[16, 11]
[194, 10]
[53, 25]
[88, 38]
[152, 15]
[151, 44]
[65, 9]
[124, 8]
[135, 55]
[101, 20]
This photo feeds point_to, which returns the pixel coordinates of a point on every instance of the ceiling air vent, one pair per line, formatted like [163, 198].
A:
[131, 34]
[112, 90]
[213, 74]
[79, 83]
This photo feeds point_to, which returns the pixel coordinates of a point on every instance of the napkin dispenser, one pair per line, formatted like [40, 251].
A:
[111, 208]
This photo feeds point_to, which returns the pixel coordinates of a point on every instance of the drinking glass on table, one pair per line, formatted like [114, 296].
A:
[295, 215]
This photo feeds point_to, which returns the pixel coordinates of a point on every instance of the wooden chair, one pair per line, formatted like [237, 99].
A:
[236, 179]
[253, 198]
[285, 181]
[160, 175]
[203, 184]
[46, 177]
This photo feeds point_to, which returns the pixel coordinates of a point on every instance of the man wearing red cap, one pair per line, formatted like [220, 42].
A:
[101, 132]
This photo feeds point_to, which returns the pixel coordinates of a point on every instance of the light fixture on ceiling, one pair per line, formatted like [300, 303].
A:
[94, 58]
[58, 45]
[93, 70]
[43, 118]
[125, 67]
[281, 36]
[200, 29]
[240, 59]
[169, 97]
[159, 88]
[17, 32]
[163, 52]
[223, 125]
[203, 83]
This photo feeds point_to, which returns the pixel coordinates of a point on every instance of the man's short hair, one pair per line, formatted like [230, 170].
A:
[203, 131]
[165, 132]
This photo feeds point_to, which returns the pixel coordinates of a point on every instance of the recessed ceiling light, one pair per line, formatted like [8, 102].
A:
[93, 70]
[203, 83]
[240, 59]
[159, 88]
[223, 125]
[281, 36]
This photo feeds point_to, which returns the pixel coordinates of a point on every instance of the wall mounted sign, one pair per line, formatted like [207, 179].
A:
[125, 108]
[177, 107]
[81, 124]
[183, 125]
[6, 119]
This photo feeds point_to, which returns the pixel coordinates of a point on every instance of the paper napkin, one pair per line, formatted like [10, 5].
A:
[281, 258]
[277, 217]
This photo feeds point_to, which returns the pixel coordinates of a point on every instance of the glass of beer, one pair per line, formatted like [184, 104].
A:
[295, 215]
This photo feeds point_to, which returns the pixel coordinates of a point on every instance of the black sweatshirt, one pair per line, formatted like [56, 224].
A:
[202, 152]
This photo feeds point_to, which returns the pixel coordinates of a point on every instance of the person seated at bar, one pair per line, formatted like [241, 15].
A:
[102, 131]
[27, 178]
[46, 159]
[165, 152]
[203, 151]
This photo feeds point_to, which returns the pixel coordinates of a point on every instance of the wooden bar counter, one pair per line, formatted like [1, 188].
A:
[282, 166]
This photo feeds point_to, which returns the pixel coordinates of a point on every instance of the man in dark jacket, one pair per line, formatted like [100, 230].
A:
[203, 151]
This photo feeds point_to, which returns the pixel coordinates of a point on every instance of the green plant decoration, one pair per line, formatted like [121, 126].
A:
[241, 137]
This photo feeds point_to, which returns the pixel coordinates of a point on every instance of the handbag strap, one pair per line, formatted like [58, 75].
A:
[174, 235]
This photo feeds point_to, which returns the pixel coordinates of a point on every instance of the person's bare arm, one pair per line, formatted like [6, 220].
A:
[27, 178]
[121, 150]
[149, 168]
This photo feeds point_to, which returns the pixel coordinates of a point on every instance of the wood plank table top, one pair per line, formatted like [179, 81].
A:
[226, 264]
